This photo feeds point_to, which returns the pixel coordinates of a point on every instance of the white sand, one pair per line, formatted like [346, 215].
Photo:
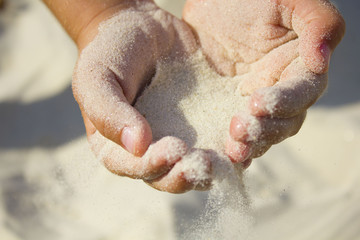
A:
[189, 100]
[303, 189]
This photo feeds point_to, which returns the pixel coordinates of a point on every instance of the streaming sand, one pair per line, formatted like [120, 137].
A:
[189, 100]
[303, 189]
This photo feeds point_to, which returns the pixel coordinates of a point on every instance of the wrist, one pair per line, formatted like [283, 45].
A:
[80, 18]
[89, 29]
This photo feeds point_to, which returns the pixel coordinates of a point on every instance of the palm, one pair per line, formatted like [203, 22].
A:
[111, 71]
[249, 38]
[259, 41]
[254, 39]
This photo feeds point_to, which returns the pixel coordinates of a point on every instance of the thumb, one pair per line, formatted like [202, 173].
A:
[320, 28]
[102, 100]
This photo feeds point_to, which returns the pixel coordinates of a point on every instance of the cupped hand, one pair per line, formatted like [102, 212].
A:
[118, 54]
[281, 49]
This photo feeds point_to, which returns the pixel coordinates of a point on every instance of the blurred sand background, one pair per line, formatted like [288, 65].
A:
[51, 187]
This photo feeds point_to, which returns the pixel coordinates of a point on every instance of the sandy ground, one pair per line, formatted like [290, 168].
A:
[51, 187]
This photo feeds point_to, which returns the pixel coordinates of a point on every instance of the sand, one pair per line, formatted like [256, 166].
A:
[186, 99]
[189, 100]
[305, 188]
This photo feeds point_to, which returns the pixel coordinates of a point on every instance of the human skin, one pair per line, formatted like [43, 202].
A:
[263, 41]
[315, 28]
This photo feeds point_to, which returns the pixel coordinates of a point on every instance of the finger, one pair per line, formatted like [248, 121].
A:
[320, 28]
[246, 164]
[268, 131]
[102, 100]
[251, 137]
[259, 150]
[109, 76]
[238, 152]
[193, 172]
[296, 91]
[158, 160]
[244, 152]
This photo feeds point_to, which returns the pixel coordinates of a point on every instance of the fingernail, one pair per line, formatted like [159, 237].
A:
[127, 139]
[237, 151]
[244, 151]
[238, 129]
[256, 109]
[325, 52]
[253, 105]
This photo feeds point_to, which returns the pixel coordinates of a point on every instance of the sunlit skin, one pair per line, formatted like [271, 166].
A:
[263, 46]
[261, 40]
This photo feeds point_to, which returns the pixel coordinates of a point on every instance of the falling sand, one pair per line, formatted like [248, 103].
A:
[305, 188]
[186, 99]
[189, 100]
